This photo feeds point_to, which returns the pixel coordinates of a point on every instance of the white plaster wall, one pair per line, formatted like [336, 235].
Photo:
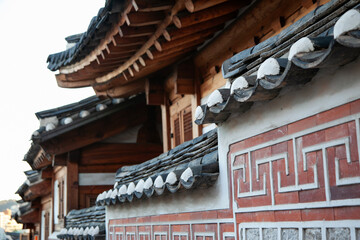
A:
[56, 202]
[42, 234]
[90, 179]
[328, 89]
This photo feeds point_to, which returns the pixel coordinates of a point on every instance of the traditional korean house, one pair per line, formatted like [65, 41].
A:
[29, 205]
[75, 154]
[279, 82]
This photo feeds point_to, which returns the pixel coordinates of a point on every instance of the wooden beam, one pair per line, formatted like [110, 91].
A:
[99, 129]
[122, 79]
[129, 41]
[128, 89]
[176, 33]
[148, 132]
[129, 31]
[38, 189]
[154, 5]
[138, 19]
[170, 81]
[60, 160]
[100, 168]
[198, 5]
[184, 83]
[210, 13]
[36, 203]
[77, 84]
[119, 49]
[199, 37]
[154, 91]
[47, 173]
[72, 181]
[175, 51]
[33, 216]
[119, 153]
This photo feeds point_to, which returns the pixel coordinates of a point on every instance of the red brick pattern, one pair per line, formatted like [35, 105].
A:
[322, 170]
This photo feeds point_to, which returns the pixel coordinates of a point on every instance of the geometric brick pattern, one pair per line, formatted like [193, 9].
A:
[289, 167]
[299, 181]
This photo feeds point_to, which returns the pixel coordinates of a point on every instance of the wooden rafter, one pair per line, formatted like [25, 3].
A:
[127, 51]
[161, 27]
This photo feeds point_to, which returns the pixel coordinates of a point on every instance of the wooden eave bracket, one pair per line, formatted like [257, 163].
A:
[33, 216]
[38, 189]
[47, 173]
[184, 81]
[155, 94]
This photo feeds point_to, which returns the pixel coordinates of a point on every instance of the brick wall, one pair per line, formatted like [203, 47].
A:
[298, 181]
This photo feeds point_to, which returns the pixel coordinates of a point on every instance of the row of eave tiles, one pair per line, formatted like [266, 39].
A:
[174, 180]
[189, 165]
[305, 57]
[51, 125]
[84, 223]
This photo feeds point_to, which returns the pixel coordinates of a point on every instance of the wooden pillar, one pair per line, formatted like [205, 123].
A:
[165, 119]
[72, 181]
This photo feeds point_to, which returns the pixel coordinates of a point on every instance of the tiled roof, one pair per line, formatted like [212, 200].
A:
[68, 117]
[146, 36]
[189, 165]
[87, 41]
[31, 154]
[318, 40]
[24, 208]
[32, 177]
[88, 223]
[36, 157]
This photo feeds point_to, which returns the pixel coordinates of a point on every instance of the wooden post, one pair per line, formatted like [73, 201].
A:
[165, 120]
[195, 101]
[72, 181]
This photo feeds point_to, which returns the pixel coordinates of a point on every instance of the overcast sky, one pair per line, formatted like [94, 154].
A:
[29, 32]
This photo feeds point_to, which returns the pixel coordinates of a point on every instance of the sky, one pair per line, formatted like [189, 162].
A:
[29, 32]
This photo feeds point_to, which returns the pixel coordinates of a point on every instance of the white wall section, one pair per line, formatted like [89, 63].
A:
[89, 179]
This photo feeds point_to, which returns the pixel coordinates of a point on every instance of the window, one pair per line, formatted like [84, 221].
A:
[204, 236]
[144, 236]
[160, 235]
[130, 236]
[59, 200]
[180, 236]
[181, 121]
